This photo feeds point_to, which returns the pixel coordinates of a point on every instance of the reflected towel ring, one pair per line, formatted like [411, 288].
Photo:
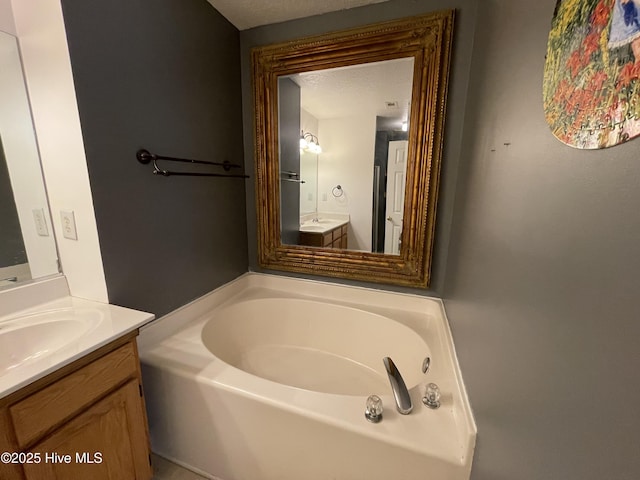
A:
[337, 191]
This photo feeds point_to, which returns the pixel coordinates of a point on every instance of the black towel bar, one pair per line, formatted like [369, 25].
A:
[144, 156]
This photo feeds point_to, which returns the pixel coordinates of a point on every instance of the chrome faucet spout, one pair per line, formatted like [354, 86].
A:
[398, 387]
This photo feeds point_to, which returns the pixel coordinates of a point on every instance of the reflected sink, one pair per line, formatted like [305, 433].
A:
[325, 221]
[313, 228]
[31, 337]
[320, 221]
[322, 225]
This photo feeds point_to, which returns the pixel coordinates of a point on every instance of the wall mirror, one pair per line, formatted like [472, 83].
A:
[27, 245]
[349, 131]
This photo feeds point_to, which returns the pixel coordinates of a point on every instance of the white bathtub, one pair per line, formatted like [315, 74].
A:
[267, 378]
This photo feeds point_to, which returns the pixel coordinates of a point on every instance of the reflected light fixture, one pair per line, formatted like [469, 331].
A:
[309, 143]
[405, 126]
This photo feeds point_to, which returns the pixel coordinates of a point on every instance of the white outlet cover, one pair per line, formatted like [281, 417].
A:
[41, 223]
[68, 224]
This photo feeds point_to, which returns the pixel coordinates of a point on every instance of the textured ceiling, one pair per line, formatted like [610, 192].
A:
[246, 14]
[341, 92]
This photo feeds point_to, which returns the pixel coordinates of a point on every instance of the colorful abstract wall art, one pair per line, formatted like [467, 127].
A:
[591, 84]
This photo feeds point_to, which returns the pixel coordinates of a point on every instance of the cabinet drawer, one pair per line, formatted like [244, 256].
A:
[39, 413]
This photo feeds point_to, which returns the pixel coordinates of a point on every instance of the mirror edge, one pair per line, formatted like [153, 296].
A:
[427, 38]
[45, 264]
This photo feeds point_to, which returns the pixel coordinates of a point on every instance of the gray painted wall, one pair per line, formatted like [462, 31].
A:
[391, 10]
[163, 75]
[536, 255]
[542, 281]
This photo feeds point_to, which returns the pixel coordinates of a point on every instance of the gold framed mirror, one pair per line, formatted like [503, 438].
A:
[426, 41]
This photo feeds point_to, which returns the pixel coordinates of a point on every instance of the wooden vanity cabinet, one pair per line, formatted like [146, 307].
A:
[90, 414]
[336, 238]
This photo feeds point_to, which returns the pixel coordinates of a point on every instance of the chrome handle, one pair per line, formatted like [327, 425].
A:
[432, 396]
[373, 413]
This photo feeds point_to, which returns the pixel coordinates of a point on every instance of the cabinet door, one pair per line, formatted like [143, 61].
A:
[108, 441]
[343, 240]
[8, 471]
[327, 239]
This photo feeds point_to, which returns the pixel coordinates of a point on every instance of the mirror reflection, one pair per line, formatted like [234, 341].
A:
[343, 138]
[27, 245]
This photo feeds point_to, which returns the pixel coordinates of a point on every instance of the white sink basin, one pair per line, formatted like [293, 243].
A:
[40, 339]
[31, 337]
[320, 222]
[313, 228]
[322, 225]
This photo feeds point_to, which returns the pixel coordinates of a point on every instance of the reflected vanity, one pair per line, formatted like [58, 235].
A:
[374, 97]
[27, 245]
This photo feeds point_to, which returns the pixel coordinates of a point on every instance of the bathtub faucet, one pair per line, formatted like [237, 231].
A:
[400, 392]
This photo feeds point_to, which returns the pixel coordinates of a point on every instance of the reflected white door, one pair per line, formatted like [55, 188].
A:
[396, 173]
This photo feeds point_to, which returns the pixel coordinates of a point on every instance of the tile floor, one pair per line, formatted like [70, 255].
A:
[165, 470]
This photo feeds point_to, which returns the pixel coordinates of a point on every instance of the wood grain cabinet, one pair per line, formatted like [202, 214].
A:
[335, 238]
[85, 421]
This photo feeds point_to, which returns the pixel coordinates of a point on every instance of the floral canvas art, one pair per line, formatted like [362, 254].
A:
[591, 77]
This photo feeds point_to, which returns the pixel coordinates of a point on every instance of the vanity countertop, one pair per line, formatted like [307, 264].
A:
[39, 340]
[323, 223]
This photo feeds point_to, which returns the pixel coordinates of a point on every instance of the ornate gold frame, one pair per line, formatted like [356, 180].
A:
[427, 39]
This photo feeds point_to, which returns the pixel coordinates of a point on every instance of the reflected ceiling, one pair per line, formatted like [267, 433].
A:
[381, 88]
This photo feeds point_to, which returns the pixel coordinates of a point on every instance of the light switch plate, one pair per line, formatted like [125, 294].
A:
[68, 224]
[41, 223]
